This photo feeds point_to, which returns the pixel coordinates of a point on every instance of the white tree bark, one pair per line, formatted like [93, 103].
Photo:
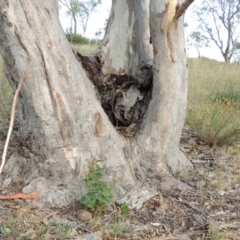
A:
[159, 140]
[62, 121]
[126, 44]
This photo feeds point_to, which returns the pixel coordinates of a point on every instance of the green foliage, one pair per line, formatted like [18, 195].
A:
[231, 97]
[77, 39]
[215, 124]
[182, 175]
[43, 231]
[115, 230]
[62, 231]
[99, 194]
[85, 50]
[198, 40]
[6, 98]
[124, 210]
[7, 228]
[215, 234]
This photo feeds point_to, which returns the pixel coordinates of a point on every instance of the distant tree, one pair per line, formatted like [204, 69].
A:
[73, 8]
[237, 53]
[82, 10]
[98, 34]
[87, 7]
[198, 40]
[220, 22]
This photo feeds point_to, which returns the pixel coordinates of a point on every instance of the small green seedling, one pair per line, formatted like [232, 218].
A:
[7, 228]
[124, 210]
[62, 231]
[99, 194]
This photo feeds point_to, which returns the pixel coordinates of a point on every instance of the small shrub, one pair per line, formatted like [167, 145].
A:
[215, 234]
[77, 39]
[62, 231]
[7, 228]
[113, 231]
[85, 49]
[215, 124]
[99, 194]
[213, 101]
[124, 210]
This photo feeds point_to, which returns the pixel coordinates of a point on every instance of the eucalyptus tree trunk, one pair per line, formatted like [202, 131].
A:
[62, 123]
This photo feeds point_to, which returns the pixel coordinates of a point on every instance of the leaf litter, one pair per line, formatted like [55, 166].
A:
[210, 211]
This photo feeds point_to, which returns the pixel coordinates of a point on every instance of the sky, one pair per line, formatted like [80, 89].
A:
[211, 52]
[98, 19]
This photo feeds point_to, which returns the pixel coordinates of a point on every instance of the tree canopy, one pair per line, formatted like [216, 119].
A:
[80, 10]
[219, 21]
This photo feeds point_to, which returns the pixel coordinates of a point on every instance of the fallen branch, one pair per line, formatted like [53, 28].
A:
[11, 121]
[187, 203]
[21, 195]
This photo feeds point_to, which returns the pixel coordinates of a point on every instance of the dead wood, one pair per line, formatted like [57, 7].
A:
[124, 98]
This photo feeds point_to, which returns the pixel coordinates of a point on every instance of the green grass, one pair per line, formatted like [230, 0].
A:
[84, 49]
[213, 101]
[6, 97]
[7, 228]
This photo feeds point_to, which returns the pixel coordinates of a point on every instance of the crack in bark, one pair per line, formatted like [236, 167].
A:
[22, 44]
[46, 75]
[25, 14]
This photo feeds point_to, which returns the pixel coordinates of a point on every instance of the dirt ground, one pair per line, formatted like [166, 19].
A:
[210, 211]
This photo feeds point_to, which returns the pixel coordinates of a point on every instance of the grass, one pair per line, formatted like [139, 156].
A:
[7, 228]
[84, 49]
[215, 234]
[213, 101]
[6, 97]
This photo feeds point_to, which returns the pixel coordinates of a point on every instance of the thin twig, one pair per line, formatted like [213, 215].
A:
[231, 198]
[11, 121]
[199, 210]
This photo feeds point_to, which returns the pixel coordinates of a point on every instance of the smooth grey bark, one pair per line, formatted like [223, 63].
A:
[126, 44]
[166, 112]
[159, 140]
[62, 122]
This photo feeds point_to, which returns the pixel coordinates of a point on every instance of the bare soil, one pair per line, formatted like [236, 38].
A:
[210, 211]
